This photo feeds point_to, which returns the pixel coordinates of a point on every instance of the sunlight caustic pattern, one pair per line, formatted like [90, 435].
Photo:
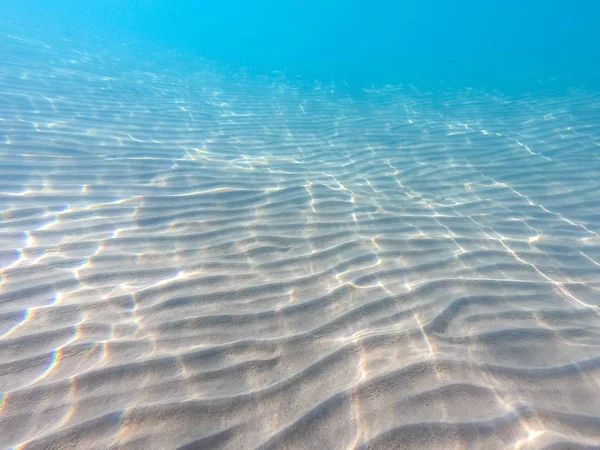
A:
[228, 261]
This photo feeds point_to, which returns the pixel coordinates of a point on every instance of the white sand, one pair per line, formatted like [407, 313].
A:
[207, 262]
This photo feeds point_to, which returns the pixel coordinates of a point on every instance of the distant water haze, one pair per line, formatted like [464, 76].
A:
[363, 42]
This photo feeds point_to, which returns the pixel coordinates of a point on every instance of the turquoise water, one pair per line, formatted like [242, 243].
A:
[269, 225]
[377, 42]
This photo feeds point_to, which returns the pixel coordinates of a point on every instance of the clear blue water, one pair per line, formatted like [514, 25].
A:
[299, 225]
[375, 42]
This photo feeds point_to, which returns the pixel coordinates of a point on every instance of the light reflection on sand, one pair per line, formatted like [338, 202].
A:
[234, 262]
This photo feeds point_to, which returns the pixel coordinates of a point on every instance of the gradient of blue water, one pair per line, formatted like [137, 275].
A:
[362, 42]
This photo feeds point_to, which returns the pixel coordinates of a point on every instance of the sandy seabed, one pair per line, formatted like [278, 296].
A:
[196, 260]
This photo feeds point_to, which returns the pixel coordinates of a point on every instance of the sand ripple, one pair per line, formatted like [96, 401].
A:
[193, 260]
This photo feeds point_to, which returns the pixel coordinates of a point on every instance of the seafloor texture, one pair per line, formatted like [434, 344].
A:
[202, 261]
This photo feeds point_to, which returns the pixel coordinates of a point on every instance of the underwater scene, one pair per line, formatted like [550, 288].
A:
[299, 225]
